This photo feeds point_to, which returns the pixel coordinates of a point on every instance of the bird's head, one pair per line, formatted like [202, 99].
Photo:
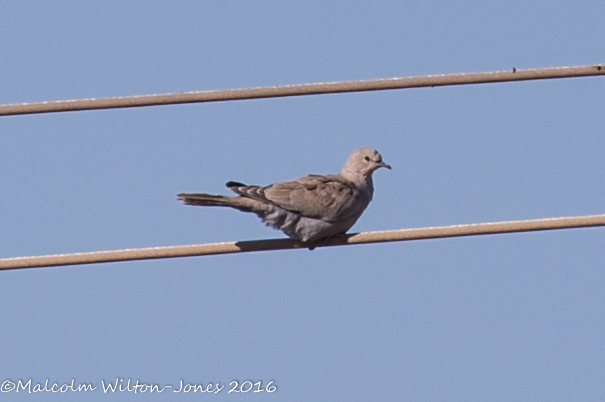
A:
[363, 161]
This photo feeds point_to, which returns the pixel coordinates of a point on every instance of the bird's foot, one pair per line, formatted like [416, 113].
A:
[326, 240]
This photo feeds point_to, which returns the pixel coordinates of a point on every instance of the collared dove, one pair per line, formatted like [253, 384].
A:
[310, 208]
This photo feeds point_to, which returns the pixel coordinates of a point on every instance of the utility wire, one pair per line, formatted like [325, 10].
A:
[300, 89]
[282, 244]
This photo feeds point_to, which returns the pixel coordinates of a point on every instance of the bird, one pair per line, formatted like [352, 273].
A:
[310, 208]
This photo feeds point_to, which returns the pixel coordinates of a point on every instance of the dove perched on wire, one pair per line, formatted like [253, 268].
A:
[310, 208]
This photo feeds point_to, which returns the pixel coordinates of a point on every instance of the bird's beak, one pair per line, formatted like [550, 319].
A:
[385, 165]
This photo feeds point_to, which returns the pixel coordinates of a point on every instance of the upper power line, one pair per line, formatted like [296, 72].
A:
[300, 89]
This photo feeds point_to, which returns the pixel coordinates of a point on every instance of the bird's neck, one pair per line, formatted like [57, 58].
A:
[362, 181]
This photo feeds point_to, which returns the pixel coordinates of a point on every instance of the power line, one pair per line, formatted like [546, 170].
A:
[283, 244]
[300, 89]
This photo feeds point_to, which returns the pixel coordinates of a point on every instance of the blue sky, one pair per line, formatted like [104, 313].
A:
[509, 317]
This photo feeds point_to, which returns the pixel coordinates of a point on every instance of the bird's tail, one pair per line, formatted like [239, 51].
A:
[205, 200]
[209, 200]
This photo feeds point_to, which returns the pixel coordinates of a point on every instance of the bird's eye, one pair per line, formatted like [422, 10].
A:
[367, 158]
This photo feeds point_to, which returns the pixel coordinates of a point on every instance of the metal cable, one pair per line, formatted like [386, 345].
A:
[282, 244]
[300, 89]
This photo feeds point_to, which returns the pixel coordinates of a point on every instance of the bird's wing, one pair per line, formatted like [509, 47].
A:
[329, 198]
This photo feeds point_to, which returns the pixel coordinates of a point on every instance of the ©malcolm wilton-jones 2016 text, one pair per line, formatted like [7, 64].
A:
[137, 387]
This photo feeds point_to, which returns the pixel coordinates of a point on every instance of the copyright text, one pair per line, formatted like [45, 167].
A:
[129, 385]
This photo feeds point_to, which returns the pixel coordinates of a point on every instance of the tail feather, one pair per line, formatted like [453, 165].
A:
[205, 200]
[209, 200]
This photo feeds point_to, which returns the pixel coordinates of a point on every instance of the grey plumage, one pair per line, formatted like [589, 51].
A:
[310, 208]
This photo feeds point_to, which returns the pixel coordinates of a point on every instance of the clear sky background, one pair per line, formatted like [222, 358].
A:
[491, 318]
